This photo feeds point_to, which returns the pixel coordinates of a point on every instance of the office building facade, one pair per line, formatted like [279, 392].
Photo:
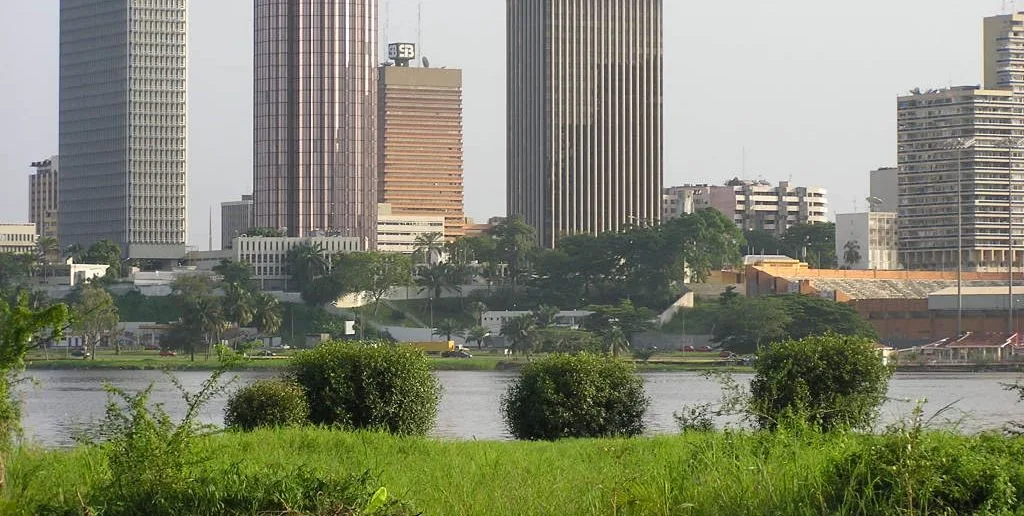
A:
[269, 255]
[315, 117]
[236, 217]
[584, 114]
[885, 189]
[420, 144]
[44, 196]
[122, 125]
[18, 238]
[397, 233]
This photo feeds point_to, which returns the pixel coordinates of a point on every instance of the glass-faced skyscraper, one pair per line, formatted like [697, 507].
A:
[315, 110]
[584, 114]
[122, 125]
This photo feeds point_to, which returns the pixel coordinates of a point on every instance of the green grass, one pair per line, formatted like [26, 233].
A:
[717, 473]
[406, 313]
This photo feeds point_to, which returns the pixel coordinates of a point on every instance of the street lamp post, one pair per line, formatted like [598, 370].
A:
[959, 145]
[1010, 144]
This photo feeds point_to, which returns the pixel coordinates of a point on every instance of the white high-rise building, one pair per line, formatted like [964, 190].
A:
[968, 139]
[122, 125]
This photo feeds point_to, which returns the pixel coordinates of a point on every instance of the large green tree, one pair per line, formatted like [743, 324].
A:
[375, 273]
[104, 252]
[744, 325]
[812, 243]
[95, 316]
[514, 239]
[267, 313]
[20, 327]
[234, 273]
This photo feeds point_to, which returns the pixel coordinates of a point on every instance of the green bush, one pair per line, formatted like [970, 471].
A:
[575, 396]
[266, 403]
[375, 386]
[828, 382]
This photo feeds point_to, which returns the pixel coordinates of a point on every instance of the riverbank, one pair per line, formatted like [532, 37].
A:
[477, 363]
[714, 473]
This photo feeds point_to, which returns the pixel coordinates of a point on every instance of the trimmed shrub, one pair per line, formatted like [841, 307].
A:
[266, 403]
[376, 386]
[828, 382]
[575, 396]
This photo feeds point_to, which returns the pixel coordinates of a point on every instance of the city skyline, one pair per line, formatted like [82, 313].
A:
[770, 107]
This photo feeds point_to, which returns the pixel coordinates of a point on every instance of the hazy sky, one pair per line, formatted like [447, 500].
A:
[808, 88]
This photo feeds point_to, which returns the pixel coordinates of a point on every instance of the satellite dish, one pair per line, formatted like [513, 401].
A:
[426, 62]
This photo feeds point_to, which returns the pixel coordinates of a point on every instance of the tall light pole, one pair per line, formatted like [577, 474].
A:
[959, 144]
[1010, 144]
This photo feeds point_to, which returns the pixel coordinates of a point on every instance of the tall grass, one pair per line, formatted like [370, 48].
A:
[695, 473]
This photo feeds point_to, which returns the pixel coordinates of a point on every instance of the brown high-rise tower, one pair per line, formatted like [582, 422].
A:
[315, 109]
[420, 147]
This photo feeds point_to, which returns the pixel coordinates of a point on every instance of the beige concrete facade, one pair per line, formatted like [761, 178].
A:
[396, 233]
[267, 255]
[876, 236]
[18, 238]
[1004, 52]
[420, 144]
[584, 110]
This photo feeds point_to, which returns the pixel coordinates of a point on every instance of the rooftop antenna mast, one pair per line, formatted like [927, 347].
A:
[387, 22]
[419, 27]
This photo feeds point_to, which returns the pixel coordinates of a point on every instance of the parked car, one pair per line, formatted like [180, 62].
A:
[688, 348]
[704, 348]
[78, 353]
[264, 353]
[727, 354]
[458, 353]
[168, 353]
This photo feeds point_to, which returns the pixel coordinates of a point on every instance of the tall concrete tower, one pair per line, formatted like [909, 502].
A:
[584, 115]
[122, 125]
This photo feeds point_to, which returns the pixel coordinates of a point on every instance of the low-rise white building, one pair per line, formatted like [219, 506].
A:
[871, 237]
[18, 238]
[494, 320]
[268, 255]
[397, 233]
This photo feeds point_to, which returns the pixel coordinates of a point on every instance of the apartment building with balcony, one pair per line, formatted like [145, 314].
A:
[752, 205]
[873, 238]
[960, 152]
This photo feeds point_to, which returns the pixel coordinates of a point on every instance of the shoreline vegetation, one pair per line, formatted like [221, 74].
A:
[730, 472]
[477, 363]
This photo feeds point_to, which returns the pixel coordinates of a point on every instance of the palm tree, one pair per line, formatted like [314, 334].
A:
[266, 313]
[428, 248]
[519, 332]
[49, 252]
[851, 253]
[203, 317]
[74, 251]
[237, 304]
[545, 316]
[307, 262]
[448, 328]
[478, 334]
[477, 308]
[435, 279]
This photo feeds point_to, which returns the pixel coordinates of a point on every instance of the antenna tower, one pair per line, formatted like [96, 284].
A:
[209, 245]
[419, 27]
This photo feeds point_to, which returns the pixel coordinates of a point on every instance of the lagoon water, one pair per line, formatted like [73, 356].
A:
[62, 402]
